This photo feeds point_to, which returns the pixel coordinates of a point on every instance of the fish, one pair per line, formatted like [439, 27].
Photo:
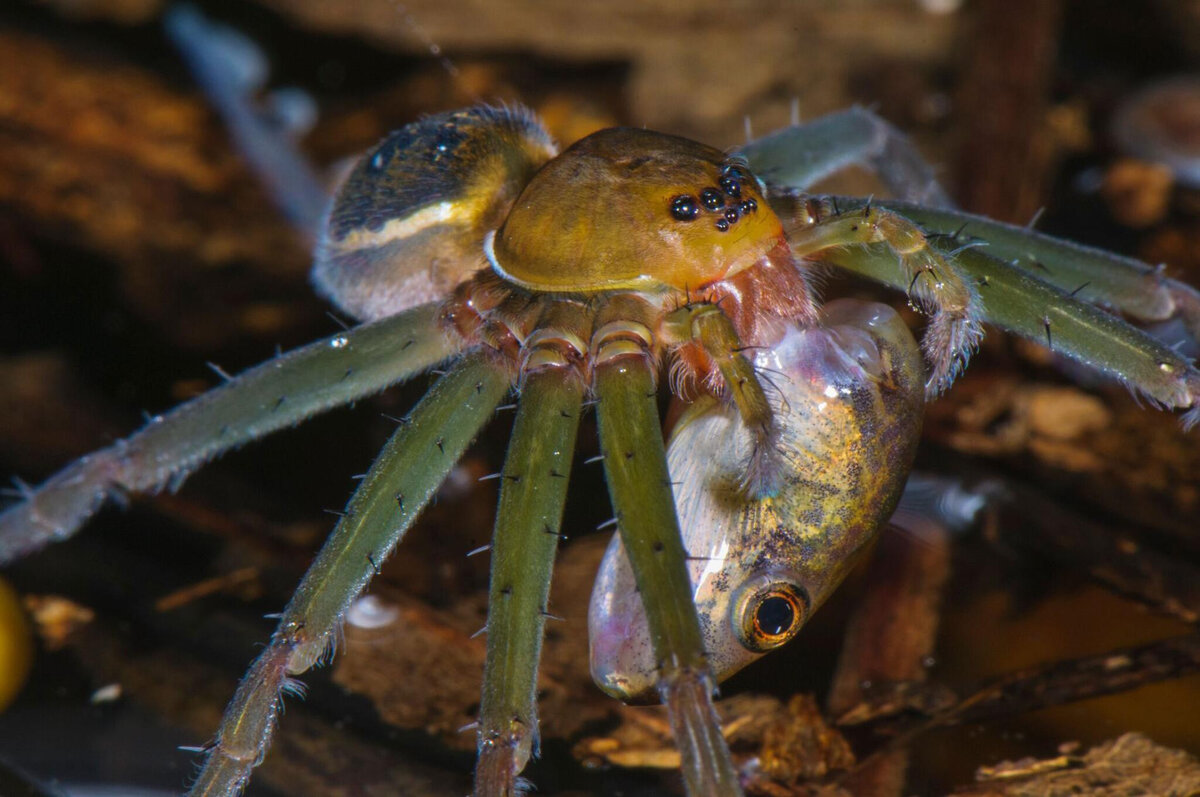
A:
[848, 398]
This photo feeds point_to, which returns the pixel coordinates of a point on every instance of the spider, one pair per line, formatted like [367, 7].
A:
[629, 259]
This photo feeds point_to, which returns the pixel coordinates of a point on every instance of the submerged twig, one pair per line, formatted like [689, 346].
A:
[1046, 685]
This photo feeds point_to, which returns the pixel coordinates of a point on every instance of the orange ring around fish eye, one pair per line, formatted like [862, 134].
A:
[769, 615]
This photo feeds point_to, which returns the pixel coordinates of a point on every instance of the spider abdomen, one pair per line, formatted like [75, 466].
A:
[407, 225]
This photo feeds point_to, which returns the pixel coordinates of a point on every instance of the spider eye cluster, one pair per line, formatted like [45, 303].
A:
[724, 202]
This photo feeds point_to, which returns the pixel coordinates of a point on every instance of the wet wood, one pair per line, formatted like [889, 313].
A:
[108, 158]
[1103, 451]
[1051, 684]
[783, 749]
[311, 755]
[1131, 764]
[687, 72]
[892, 635]
[800, 748]
[1025, 519]
[1005, 153]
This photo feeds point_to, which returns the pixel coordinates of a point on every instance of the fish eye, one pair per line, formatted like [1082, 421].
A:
[768, 616]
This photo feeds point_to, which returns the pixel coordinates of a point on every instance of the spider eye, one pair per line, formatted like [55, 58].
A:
[712, 199]
[768, 616]
[684, 208]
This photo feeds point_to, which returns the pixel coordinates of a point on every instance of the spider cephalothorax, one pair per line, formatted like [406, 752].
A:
[578, 228]
[464, 238]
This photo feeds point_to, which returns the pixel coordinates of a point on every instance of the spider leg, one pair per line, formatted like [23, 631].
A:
[706, 325]
[1014, 300]
[532, 494]
[271, 396]
[399, 484]
[800, 155]
[818, 231]
[230, 68]
[639, 484]
[1090, 274]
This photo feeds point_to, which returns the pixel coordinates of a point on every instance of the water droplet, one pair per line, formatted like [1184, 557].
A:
[340, 342]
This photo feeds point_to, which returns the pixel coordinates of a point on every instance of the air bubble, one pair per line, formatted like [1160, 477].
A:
[370, 612]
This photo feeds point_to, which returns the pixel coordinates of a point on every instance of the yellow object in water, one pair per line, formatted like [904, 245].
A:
[16, 645]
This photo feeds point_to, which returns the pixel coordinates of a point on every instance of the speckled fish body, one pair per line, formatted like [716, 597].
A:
[848, 400]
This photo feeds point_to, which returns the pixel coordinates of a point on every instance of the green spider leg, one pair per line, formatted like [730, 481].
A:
[229, 68]
[1013, 300]
[818, 231]
[277, 394]
[639, 484]
[399, 484]
[1092, 275]
[1035, 285]
[1041, 302]
[527, 529]
[532, 493]
[707, 326]
[888, 248]
[800, 155]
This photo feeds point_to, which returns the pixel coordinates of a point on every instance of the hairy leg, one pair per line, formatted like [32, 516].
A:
[705, 326]
[399, 484]
[636, 466]
[798, 156]
[230, 69]
[1092, 275]
[532, 493]
[272, 396]
[1012, 299]
[819, 229]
